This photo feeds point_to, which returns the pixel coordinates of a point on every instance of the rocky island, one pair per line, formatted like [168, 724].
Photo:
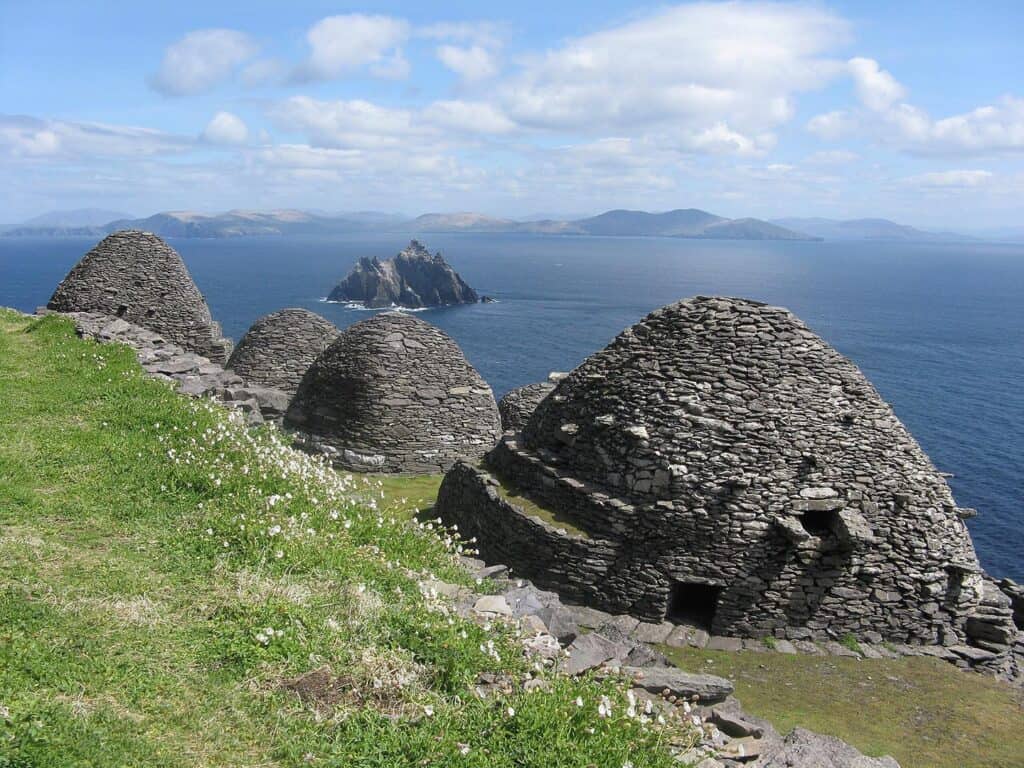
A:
[412, 279]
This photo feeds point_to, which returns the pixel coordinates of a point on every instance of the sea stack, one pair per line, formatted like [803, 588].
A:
[138, 277]
[721, 465]
[395, 394]
[279, 348]
[412, 279]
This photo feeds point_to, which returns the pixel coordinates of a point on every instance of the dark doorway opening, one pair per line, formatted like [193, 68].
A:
[693, 603]
[819, 523]
[122, 310]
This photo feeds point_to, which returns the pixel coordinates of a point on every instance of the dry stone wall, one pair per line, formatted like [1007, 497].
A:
[750, 478]
[395, 394]
[137, 277]
[518, 404]
[279, 348]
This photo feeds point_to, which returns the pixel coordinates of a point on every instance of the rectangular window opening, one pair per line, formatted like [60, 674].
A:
[693, 604]
[820, 523]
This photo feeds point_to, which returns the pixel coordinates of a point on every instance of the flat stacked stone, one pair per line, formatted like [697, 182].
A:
[518, 404]
[395, 394]
[279, 348]
[137, 277]
[720, 458]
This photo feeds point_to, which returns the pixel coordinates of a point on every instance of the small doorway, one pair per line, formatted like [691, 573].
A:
[693, 603]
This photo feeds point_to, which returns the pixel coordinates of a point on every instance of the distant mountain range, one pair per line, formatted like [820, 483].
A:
[867, 229]
[688, 223]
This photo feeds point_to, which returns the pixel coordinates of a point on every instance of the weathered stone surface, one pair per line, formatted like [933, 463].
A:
[707, 688]
[723, 465]
[137, 277]
[495, 604]
[412, 279]
[395, 394]
[804, 749]
[518, 404]
[589, 651]
[279, 348]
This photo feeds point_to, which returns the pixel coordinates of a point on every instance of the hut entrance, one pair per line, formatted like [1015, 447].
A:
[693, 603]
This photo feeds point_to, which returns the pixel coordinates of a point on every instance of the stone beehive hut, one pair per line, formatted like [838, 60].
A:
[720, 464]
[279, 348]
[138, 277]
[518, 404]
[395, 394]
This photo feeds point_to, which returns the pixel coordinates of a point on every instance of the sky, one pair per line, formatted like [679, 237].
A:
[912, 110]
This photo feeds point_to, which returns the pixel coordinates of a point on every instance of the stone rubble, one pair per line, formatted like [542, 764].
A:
[603, 644]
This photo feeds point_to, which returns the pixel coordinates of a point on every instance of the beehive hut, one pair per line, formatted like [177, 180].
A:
[518, 404]
[138, 277]
[719, 464]
[395, 394]
[279, 348]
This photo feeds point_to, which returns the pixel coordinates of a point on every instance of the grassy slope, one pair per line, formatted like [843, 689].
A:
[922, 711]
[147, 545]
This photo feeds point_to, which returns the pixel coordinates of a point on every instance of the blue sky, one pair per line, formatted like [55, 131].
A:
[910, 110]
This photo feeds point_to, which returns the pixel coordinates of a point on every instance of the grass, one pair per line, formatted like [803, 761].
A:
[922, 711]
[515, 495]
[166, 576]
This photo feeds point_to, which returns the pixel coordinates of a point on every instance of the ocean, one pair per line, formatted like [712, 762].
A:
[938, 328]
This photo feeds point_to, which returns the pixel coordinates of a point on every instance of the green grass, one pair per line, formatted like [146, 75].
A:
[922, 711]
[528, 504]
[165, 573]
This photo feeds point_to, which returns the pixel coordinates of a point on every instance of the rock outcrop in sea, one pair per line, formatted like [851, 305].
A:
[278, 349]
[720, 465]
[395, 394]
[412, 279]
[137, 277]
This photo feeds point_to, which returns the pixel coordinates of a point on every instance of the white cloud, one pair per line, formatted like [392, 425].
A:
[950, 179]
[831, 125]
[468, 116]
[30, 137]
[201, 59]
[700, 64]
[340, 45]
[877, 89]
[471, 64]
[346, 123]
[985, 130]
[226, 128]
[482, 33]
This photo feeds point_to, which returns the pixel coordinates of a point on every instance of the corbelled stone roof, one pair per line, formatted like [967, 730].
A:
[518, 404]
[138, 277]
[395, 394]
[279, 348]
[719, 453]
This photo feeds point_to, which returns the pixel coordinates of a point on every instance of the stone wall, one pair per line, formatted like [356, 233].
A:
[518, 404]
[395, 394]
[137, 277]
[279, 348]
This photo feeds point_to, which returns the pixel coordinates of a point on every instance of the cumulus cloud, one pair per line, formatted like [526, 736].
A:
[876, 88]
[471, 64]
[226, 128]
[201, 60]
[701, 64]
[887, 118]
[468, 116]
[340, 45]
